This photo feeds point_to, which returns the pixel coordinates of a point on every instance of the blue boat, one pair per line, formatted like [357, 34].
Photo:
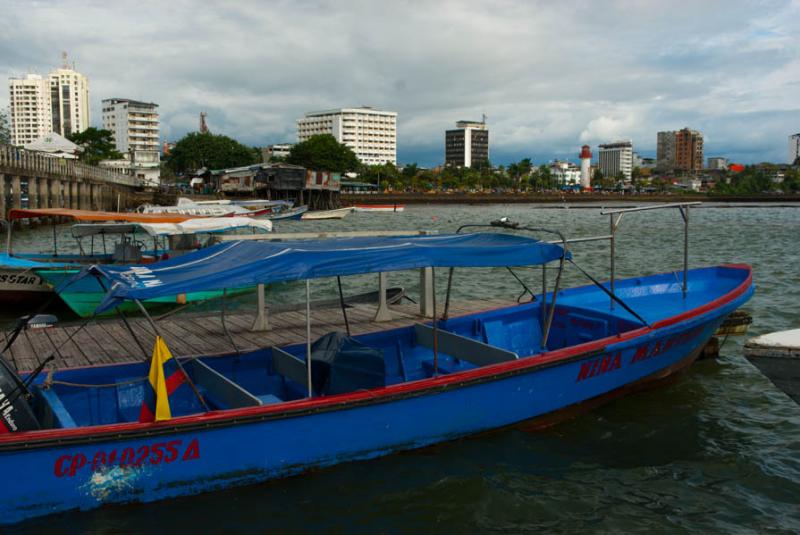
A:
[87, 437]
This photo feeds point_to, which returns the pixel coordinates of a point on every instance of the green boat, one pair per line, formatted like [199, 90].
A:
[83, 296]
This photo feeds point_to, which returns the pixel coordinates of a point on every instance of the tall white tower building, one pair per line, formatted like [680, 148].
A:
[69, 100]
[616, 158]
[29, 105]
[586, 165]
[794, 147]
[372, 134]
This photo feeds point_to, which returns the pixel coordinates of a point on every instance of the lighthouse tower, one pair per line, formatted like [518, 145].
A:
[586, 162]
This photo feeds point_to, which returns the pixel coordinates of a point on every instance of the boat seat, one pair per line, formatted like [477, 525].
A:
[222, 391]
[463, 348]
[61, 415]
[269, 399]
[289, 366]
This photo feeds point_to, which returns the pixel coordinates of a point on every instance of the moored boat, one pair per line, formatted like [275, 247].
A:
[379, 207]
[338, 213]
[19, 282]
[285, 410]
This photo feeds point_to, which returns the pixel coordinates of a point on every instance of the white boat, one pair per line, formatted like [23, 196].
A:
[339, 213]
[217, 208]
[379, 207]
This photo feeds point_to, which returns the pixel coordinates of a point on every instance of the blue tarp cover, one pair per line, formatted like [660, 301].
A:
[246, 263]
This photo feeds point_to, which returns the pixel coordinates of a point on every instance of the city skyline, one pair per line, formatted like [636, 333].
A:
[549, 78]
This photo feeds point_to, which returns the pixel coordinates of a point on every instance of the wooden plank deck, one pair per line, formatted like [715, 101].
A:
[109, 341]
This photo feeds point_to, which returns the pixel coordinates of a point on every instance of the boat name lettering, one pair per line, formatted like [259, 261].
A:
[155, 453]
[648, 351]
[599, 366]
[15, 278]
[141, 276]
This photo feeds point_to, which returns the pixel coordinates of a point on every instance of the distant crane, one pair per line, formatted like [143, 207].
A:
[203, 125]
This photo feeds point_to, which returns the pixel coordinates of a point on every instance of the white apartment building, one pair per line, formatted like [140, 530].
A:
[69, 99]
[616, 158]
[566, 174]
[134, 125]
[29, 107]
[370, 133]
[794, 148]
[717, 163]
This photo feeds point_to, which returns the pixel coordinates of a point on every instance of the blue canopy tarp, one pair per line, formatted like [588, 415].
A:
[244, 263]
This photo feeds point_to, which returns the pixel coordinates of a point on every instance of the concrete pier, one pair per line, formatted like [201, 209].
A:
[35, 180]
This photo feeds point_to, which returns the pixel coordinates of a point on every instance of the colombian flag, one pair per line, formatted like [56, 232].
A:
[165, 377]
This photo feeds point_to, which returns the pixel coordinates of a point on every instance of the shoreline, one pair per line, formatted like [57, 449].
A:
[790, 200]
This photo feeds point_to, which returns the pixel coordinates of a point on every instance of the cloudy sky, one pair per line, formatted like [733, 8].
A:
[549, 76]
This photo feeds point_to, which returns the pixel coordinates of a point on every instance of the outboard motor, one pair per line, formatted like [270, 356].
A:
[15, 411]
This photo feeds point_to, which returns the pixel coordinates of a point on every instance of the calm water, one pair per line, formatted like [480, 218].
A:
[717, 451]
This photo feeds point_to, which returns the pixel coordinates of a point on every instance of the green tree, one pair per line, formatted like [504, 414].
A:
[196, 150]
[323, 153]
[98, 144]
[5, 130]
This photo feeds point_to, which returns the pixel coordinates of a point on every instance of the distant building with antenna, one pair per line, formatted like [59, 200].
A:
[467, 145]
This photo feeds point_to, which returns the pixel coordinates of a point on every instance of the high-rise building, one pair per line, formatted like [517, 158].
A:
[688, 150]
[134, 125]
[69, 101]
[616, 158]
[794, 148]
[64, 109]
[467, 145]
[370, 133]
[29, 106]
[680, 150]
[665, 151]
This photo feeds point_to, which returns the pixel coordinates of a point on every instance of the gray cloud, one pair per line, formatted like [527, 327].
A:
[550, 76]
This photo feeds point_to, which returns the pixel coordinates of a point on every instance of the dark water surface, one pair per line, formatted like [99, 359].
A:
[716, 451]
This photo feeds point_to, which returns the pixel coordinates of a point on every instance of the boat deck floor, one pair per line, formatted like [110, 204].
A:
[108, 341]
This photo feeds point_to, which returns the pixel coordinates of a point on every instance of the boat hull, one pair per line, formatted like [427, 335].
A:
[193, 454]
[84, 295]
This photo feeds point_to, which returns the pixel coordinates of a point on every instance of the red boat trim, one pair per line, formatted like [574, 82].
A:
[51, 437]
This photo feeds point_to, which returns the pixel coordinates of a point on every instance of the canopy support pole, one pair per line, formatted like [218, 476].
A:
[224, 325]
[425, 302]
[177, 360]
[550, 315]
[382, 314]
[544, 295]
[261, 321]
[55, 239]
[446, 312]
[308, 338]
[685, 215]
[434, 325]
[341, 303]
[125, 322]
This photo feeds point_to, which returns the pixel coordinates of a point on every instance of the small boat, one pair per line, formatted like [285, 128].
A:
[216, 208]
[83, 296]
[777, 356]
[379, 207]
[290, 213]
[339, 213]
[21, 285]
[138, 432]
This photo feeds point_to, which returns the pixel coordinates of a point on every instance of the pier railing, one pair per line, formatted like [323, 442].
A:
[17, 160]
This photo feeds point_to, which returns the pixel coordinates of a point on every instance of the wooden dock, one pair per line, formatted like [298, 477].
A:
[189, 334]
